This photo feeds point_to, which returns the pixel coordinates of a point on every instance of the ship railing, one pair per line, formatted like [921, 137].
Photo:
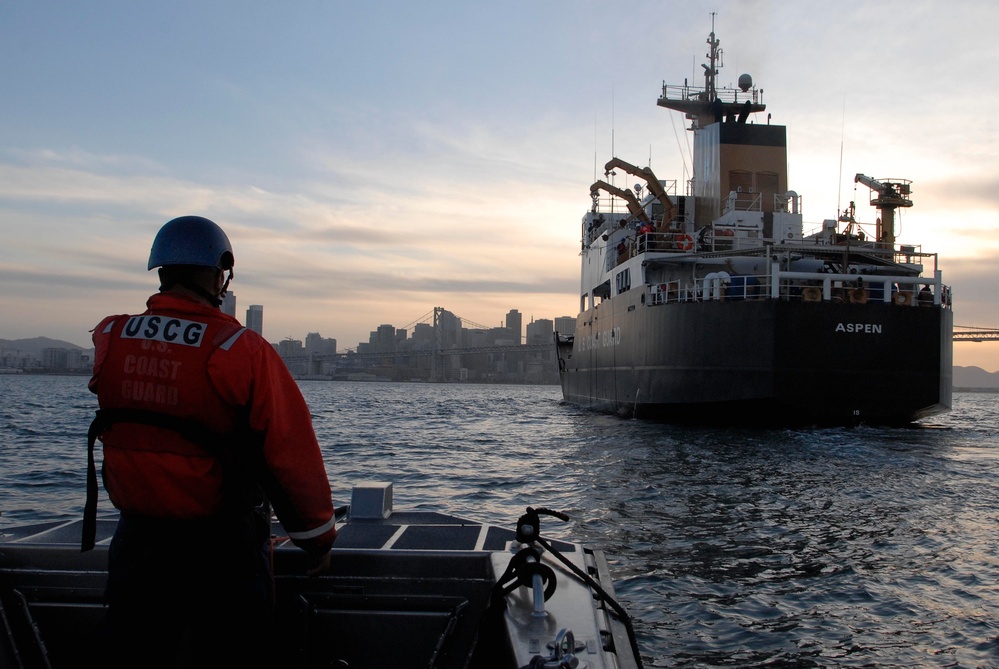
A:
[859, 288]
[700, 94]
[912, 254]
[671, 291]
[665, 242]
[733, 238]
[806, 287]
[739, 200]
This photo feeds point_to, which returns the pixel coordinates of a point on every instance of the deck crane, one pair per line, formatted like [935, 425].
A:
[625, 194]
[887, 195]
[655, 187]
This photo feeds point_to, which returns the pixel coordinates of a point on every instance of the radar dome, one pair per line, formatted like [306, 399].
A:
[745, 82]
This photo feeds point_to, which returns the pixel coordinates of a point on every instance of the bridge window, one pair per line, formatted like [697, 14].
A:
[623, 280]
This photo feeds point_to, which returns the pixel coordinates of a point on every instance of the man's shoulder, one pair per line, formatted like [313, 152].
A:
[104, 327]
[240, 339]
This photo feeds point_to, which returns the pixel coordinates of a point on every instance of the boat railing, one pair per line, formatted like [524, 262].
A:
[671, 291]
[743, 201]
[903, 290]
[784, 285]
[664, 242]
[733, 237]
[700, 94]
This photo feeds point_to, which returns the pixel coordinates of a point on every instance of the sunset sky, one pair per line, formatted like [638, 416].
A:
[373, 160]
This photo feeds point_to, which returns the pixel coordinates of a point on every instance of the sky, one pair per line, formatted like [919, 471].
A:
[373, 160]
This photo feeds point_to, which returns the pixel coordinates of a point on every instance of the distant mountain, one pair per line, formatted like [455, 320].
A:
[35, 345]
[975, 377]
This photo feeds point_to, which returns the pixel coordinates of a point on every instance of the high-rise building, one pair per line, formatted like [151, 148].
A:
[255, 318]
[316, 344]
[540, 331]
[383, 339]
[515, 324]
[565, 325]
[229, 304]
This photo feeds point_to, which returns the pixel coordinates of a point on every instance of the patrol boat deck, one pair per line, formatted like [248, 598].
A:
[404, 589]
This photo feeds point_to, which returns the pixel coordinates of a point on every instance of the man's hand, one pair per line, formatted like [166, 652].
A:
[321, 566]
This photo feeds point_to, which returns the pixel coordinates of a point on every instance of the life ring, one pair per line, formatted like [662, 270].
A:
[811, 294]
[858, 295]
[903, 298]
[685, 243]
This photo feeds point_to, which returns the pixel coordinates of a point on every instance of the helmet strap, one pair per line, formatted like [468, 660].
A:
[225, 286]
[214, 299]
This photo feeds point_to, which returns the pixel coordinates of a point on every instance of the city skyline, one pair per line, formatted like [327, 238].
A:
[231, 306]
[409, 328]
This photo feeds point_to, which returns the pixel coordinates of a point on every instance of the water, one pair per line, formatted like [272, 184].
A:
[796, 548]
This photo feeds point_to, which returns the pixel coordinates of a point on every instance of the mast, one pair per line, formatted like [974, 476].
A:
[711, 70]
[710, 104]
[730, 155]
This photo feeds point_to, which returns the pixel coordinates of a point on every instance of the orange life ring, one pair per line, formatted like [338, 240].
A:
[685, 243]
[858, 295]
[811, 294]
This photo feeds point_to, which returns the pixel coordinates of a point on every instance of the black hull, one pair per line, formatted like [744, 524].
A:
[761, 362]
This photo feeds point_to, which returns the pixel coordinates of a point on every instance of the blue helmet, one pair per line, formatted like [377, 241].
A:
[191, 240]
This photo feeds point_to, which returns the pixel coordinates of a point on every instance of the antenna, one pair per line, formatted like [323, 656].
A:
[596, 144]
[613, 102]
[842, 134]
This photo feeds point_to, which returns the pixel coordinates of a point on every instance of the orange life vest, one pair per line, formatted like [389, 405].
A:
[196, 366]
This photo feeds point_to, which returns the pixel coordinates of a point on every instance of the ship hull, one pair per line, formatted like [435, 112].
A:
[771, 362]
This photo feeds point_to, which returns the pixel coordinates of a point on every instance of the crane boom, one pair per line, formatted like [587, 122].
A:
[887, 195]
[649, 176]
[625, 194]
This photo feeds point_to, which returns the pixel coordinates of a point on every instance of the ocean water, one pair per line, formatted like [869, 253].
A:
[855, 547]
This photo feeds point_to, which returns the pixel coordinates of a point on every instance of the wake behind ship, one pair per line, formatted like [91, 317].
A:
[714, 306]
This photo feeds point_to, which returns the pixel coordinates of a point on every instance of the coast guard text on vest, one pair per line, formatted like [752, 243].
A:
[167, 330]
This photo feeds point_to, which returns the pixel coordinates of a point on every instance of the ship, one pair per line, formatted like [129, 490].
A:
[712, 303]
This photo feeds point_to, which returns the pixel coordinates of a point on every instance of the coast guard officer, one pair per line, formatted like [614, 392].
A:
[202, 426]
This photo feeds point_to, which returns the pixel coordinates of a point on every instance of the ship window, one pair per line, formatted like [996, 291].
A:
[623, 280]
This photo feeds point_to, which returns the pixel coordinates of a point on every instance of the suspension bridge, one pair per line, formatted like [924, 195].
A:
[974, 333]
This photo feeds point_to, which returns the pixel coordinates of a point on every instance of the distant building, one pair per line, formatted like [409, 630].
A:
[229, 304]
[316, 344]
[423, 336]
[450, 326]
[313, 343]
[255, 318]
[540, 332]
[383, 339]
[515, 324]
[290, 347]
[54, 358]
[565, 325]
